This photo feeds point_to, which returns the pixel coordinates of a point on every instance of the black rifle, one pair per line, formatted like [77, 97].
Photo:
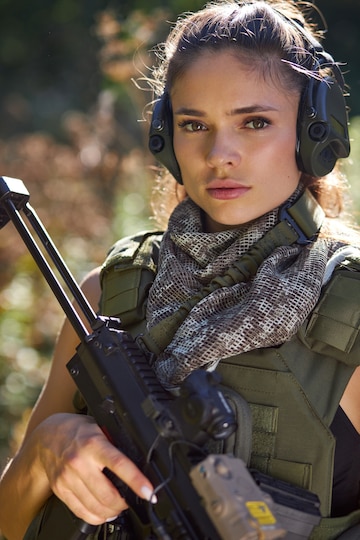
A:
[164, 435]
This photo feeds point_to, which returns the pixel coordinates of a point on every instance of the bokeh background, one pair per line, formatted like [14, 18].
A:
[72, 128]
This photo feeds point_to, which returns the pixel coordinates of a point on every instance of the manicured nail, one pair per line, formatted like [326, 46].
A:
[110, 519]
[148, 494]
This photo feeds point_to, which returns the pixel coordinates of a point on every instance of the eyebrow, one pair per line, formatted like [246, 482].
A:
[233, 112]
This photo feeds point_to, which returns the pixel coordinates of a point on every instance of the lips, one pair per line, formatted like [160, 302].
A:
[226, 189]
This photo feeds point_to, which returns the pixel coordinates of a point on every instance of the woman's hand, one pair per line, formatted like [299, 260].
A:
[73, 451]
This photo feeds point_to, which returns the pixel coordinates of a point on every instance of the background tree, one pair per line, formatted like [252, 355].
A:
[71, 127]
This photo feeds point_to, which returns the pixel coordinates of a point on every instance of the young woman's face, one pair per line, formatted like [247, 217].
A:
[234, 139]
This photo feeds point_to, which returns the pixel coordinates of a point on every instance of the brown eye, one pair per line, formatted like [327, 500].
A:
[191, 125]
[257, 123]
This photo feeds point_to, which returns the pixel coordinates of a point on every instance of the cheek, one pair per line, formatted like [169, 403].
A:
[187, 156]
[179, 152]
[285, 154]
[182, 146]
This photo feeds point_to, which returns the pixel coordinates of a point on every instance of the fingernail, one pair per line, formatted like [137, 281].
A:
[111, 519]
[148, 494]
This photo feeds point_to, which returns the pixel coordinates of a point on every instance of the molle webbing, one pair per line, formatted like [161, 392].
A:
[334, 326]
[126, 276]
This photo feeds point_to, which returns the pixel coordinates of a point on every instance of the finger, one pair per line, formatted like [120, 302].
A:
[93, 507]
[130, 474]
[81, 484]
[106, 455]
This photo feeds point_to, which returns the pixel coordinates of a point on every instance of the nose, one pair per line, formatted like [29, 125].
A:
[224, 151]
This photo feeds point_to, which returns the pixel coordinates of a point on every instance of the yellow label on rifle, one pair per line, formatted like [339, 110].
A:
[261, 512]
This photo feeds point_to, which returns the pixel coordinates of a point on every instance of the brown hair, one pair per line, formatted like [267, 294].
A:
[270, 36]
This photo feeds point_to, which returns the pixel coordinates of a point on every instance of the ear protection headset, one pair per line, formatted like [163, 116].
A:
[322, 126]
[322, 130]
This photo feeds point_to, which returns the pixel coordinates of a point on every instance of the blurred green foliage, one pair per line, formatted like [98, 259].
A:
[351, 167]
[69, 129]
[342, 41]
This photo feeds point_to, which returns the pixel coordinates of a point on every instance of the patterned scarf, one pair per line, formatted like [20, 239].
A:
[263, 312]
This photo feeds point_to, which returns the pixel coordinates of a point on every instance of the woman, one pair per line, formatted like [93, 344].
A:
[251, 113]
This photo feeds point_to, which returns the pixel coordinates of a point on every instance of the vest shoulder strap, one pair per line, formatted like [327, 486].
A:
[126, 276]
[333, 328]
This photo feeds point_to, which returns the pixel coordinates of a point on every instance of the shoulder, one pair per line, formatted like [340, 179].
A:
[91, 287]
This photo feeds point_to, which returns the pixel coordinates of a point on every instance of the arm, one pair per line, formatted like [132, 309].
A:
[64, 453]
[350, 401]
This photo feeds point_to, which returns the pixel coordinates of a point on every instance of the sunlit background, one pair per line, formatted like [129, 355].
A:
[72, 128]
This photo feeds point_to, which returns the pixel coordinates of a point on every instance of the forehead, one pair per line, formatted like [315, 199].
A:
[269, 67]
[230, 76]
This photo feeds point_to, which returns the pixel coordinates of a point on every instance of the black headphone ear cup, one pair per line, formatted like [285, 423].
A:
[161, 136]
[323, 134]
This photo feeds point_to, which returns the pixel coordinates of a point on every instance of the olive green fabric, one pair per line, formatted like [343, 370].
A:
[126, 276]
[333, 329]
[285, 419]
[293, 390]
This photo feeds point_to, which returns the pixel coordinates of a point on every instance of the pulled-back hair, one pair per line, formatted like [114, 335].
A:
[258, 31]
[272, 37]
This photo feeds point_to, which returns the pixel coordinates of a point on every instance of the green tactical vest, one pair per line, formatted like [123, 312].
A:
[293, 390]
